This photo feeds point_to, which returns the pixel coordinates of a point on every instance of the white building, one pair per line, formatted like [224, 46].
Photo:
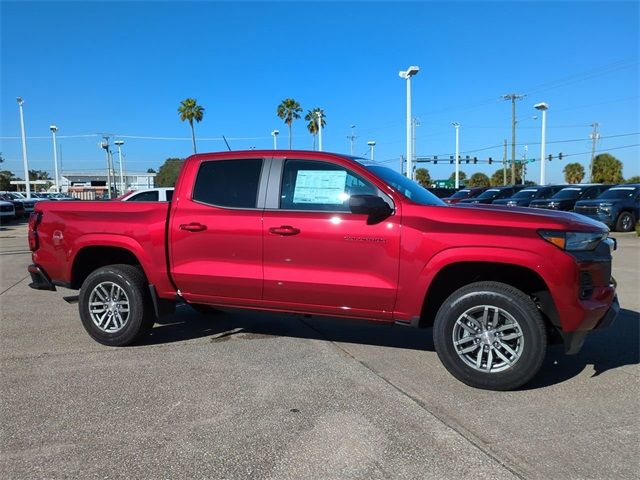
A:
[93, 183]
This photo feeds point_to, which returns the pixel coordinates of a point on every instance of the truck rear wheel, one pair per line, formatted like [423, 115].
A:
[625, 222]
[114, 305]
[490, 335]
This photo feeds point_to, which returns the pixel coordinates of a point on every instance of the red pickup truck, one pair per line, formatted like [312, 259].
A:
[327, 234]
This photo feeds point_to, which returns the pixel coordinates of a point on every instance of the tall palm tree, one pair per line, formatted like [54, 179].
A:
[190, 110]
[573, 172]
[289, 110]
[312, 126]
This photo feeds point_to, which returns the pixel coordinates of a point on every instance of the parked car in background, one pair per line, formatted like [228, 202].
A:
[60, 197]
[525, 196]
[618, 207]
[163, 194]
[442, 192]
[464, 194]
[28, 204]
[492, 194]
[566, 198]
[17, 205]
[7, 211]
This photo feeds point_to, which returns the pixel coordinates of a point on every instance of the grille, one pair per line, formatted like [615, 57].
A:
[586, 209]
[6, 208]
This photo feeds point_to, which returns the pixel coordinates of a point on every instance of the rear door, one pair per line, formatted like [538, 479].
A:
[320, 257]
[216, 233]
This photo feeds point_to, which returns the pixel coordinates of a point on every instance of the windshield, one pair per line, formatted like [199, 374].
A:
[618, 192]
[568, 193]
[526, 193]
[406, 187]
[491, 193]
[464, 193]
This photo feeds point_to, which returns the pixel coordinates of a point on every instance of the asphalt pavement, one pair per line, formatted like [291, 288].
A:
[239, 395]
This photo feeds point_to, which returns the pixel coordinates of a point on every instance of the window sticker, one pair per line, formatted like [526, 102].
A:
[320, 186]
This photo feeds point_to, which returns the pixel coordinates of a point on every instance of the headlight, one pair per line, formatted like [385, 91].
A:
[573, 241]
[605, 207]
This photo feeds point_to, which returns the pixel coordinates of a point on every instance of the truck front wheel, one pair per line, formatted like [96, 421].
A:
[625, 222]
[114, 305]
[490, 335]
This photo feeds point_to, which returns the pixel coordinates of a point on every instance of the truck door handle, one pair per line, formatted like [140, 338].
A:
[284, 230]
[193, 227]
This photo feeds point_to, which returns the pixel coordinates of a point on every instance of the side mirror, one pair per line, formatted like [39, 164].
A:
[372, 205]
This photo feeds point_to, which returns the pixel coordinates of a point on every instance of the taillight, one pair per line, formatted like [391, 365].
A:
[34, 220]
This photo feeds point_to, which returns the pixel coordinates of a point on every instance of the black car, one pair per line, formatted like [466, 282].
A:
[463, 194]
[492, 194]
[566, 198]
[525, 196]
[17, 205]
[618, 207]
[442, 192]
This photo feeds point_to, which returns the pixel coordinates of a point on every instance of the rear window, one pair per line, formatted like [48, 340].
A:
[568, 193]
[490, 193]
[619, 192]
[228, 183]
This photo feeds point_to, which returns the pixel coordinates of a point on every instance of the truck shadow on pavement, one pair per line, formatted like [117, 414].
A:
[605, 350]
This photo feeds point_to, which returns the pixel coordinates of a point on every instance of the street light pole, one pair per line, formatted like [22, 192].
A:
[371, 144]
[119, 143]
[24, 150]
[319, 114]
[352, 138]
[513, 97]
[407, 74]
[274, 134]
[54, 129]
[543, 107]
[456, 125]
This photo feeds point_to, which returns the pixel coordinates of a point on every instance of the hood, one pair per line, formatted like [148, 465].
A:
[595, 202]
[517, 217]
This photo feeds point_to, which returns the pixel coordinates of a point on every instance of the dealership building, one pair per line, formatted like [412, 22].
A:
[91, 184]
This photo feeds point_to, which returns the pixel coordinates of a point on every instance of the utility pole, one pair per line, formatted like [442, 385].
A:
[595, 136]
[504, 164]
[319, 114]
[352, 138]
[513, 97]
[401, 164]
[105, 145]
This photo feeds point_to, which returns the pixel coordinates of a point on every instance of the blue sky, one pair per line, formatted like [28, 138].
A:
[123, 68]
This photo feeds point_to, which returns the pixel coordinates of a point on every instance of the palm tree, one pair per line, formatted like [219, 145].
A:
[573, 172]
[289, 110]
[312, 126]
[190, 110]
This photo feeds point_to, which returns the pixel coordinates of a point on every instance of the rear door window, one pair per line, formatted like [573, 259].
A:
[228, 183]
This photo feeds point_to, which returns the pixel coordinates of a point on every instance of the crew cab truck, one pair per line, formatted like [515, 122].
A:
[327, 234]
[618, 207]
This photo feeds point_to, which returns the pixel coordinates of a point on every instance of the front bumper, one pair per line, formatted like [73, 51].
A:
[573, 341]
[39, 279]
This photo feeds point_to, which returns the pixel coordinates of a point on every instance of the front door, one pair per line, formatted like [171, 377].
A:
[216, 235]
[320, 257]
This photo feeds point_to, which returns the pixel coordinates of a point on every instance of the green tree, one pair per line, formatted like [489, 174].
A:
[462, 177]
[312, 126]
[607, 169]
[479, 180]
[190, 110]
[39, 175]
[151, 170]
[423, 177]
[289, 110]
[498, 176]
[168, 172]
[635, 179]
[573, 172]
[5, 180]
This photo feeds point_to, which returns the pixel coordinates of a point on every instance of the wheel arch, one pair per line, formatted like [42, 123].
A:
[456, 275]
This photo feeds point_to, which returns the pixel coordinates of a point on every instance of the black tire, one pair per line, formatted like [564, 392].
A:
[511, 305]
[139, 317]
[626, 222]
[204, 309]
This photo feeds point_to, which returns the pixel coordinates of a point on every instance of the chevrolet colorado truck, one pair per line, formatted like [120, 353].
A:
[328, 234]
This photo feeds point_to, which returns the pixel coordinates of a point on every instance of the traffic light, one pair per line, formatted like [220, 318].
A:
[435, 157]
[560, 156]
[451, 161]
[550, 157]
[475, 160]
[490, 160]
